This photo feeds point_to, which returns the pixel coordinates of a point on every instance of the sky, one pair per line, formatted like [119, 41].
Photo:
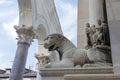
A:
[9, 16]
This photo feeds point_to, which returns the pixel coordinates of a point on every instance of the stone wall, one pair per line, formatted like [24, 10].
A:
[83, 18]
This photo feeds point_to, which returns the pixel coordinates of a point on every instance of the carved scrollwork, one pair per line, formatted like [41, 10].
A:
[25, 34]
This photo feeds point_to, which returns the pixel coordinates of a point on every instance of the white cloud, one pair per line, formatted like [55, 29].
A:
[5, 1]
[2, 57]
[6, 65]
[6, 14]
[8, 28]
[1, 54]
[7, 32]
[68, 18]
[8, 10]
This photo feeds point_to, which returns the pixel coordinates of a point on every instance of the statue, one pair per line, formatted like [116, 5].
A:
[99, 35]
[88, 36]
[105, 31]
[71, 55]
[54, 56]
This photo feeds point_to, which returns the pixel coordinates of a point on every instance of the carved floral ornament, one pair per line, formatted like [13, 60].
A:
[25, 34]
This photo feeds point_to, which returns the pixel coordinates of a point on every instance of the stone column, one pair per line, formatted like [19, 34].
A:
[25, 37]
[95, 11]
[113, 13]
[83, 18]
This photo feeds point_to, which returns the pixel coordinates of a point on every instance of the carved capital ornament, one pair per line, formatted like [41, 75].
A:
[25, 34]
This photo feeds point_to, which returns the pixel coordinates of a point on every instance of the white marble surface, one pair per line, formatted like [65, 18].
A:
[83, 18]
[60, 73]
[95, 11]
[113, 12]
[91, 77]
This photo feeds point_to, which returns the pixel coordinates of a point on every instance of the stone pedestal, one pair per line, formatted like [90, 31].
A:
[91, 77]
[93, 73]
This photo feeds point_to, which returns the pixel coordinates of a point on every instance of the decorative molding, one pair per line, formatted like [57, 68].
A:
[91, 77]
[44, 72]
[25, 34]
[42, 59]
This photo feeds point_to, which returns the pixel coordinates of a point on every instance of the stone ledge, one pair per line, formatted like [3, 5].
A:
[62, 71]
[91, 77]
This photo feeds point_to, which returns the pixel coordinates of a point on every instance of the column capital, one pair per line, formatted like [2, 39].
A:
[25, 34]
[42, 59]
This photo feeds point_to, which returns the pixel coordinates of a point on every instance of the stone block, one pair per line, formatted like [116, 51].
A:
[62, 73]
[91, 77]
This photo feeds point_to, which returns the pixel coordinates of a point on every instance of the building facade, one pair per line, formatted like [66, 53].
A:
[89, 11]
[28, 74]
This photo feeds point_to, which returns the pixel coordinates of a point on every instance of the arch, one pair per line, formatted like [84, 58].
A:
[41, 28]
[25, 13]
[37, 13]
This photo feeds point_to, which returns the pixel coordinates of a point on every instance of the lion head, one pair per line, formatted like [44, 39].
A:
[53, 41]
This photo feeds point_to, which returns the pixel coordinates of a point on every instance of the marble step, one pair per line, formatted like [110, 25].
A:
[91, 77]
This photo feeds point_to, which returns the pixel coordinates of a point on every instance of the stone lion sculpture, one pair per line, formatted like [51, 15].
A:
[70, 55]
